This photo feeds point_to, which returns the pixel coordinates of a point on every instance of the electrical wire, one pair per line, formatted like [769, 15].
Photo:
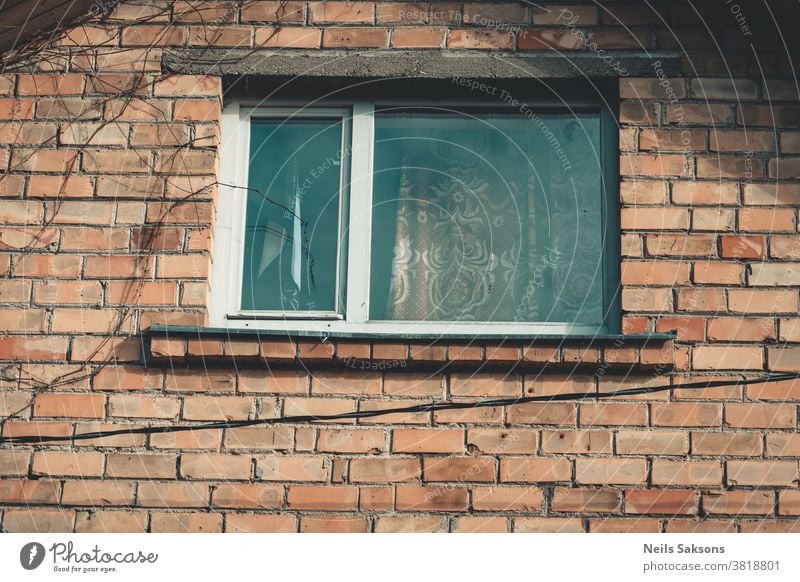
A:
[427, 407]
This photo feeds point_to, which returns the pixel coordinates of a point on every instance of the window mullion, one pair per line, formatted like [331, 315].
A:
[360, 213]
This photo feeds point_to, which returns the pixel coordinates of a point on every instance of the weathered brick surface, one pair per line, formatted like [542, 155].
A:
[107, 205]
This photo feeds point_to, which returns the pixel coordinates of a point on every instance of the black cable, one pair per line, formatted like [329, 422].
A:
[429, 407]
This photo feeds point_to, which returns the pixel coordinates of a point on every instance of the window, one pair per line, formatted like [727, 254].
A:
[409, 219]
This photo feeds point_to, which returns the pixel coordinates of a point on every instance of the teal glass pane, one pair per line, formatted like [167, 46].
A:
[487, 217]
[292, 220]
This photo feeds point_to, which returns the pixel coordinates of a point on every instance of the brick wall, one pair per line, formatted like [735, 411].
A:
[106, 216]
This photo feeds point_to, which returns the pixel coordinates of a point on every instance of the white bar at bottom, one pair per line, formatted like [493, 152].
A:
[401, 557]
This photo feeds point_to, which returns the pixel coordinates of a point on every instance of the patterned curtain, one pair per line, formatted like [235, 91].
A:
[488, 228]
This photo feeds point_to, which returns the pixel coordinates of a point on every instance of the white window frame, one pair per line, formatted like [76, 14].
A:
[355, 212]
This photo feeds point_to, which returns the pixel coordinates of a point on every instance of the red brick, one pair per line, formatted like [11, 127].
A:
[344, 37]
[464, 38]
[418, 37]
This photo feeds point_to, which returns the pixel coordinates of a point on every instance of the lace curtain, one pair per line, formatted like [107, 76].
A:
[493, 219]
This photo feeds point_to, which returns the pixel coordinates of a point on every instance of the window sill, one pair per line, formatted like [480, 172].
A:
[207, 346]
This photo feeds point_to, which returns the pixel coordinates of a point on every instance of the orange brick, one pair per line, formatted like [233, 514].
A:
[352, 441]
[610, 471]
[365, 470]
[172, 495]
[29, 520]
[218, 408]
[459, 469]
[738, 502]
[428, 441]
[529, 470]
[493, 441]
[498, 385]
[479, 524]
[547, 525]
[667, 501]
[68, 464]
[589, 500]
[14, 463]
[264, 523]
[728, 358]
[549, 413]
[333, 524]
[213, 466]
[698, 473]
[185, 522]
[747, 415]
[18, 491]
[141, 466]
[652, 443]
[248, 496]
[582, 441]
[104, 521]
[93, 493]
[299, 468]
[431, 498]
[613, 414]
[507, 498]
[738, 444]
[69, 405]
[322, 497]
[346, 383]
[761, 473]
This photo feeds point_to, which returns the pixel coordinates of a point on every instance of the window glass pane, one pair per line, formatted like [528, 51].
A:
[292, 218]
[487, 217]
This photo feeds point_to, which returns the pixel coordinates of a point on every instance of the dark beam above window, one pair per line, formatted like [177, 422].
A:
[427, 64]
